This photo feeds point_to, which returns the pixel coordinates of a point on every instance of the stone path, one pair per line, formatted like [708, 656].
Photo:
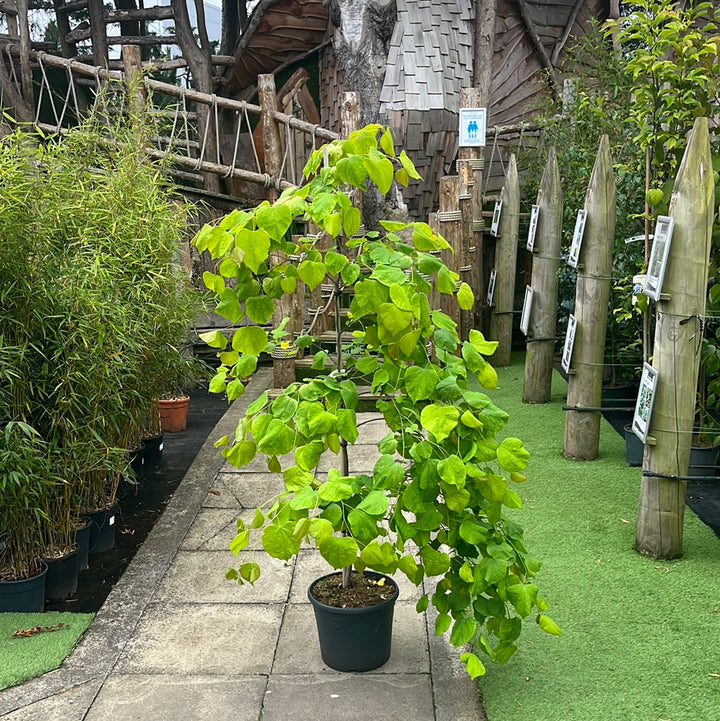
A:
[176, 640]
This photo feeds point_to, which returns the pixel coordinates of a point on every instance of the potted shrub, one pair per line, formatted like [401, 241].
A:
[26, 477]
[433, 506]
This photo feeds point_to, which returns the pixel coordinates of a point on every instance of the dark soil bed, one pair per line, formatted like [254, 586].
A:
[363, 592]
[143, 504]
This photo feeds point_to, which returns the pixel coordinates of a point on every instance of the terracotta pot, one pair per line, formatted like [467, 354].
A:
[173, 414]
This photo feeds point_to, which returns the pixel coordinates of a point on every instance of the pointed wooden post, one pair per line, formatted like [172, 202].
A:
[501, 320]
[546, 260]
[678, 335]
[592, 294]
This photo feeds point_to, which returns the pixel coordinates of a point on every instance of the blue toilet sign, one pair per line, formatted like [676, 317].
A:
[473, 123]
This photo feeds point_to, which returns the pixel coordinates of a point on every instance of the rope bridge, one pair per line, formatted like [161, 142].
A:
[192, 123]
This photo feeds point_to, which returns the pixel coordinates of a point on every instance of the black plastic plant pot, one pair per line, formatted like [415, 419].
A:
[152, 452]
[62, 576]
[102, 529]
[82, 539]
[24, 596]
[355, 639]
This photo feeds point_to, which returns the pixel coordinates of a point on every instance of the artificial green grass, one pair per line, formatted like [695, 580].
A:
[640, 636]
[22, 658]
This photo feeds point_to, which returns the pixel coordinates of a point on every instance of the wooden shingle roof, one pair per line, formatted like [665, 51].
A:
[430, 56]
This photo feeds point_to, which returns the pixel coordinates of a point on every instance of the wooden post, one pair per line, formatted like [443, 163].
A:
[272, 148]
[501, 319]
[546, 260]
[132, 67]
[470, 165]
[592, 294]
[283, 363]
[678, 334]
[98, 33]
[434, 299]
[449, 218]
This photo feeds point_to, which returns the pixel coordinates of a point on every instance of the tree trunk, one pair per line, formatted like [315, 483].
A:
[678, 335]
[363, 29]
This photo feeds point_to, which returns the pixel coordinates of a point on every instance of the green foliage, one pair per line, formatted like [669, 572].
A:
[434, 503]
[93, 308]
[671, 55]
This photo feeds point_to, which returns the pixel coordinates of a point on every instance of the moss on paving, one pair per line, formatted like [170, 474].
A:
[640, 636]
[22, 658]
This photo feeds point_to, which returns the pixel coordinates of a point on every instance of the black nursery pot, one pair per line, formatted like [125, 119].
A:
[102, 529]
[355, 639]
[152, 452]
[24, 596]
[82, 540]
[62, 576]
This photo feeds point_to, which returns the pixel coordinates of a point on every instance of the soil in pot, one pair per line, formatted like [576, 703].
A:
[354, 637]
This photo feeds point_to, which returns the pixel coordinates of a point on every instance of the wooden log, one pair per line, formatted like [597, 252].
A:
[592, 294]
[448, 218]
[501, 319]
[546, 260]
[272, 148]
[132, 65]
[97, 28]
[678, 334]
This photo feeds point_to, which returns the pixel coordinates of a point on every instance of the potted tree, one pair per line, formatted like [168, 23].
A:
[433, 506]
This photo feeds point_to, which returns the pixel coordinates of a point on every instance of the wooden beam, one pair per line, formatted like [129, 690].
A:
[560, 44]
[539, 48]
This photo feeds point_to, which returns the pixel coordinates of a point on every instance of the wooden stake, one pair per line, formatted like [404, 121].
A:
[592, 294]
[501, 320]
[678, 335]
[448, 218]
[543, 321]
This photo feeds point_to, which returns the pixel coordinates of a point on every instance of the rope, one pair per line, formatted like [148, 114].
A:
[186, 130]
[252, 144]
[204, 142]
[231, 170]
[217, 130]
[492, 157]
[71, 84]
[448, 216]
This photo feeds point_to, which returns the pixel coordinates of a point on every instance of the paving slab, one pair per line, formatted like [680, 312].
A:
[404, 697]
[204, 639]
[214, 528]
[69, 704]
[169, 698]
[243, 490]
[199, 577]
